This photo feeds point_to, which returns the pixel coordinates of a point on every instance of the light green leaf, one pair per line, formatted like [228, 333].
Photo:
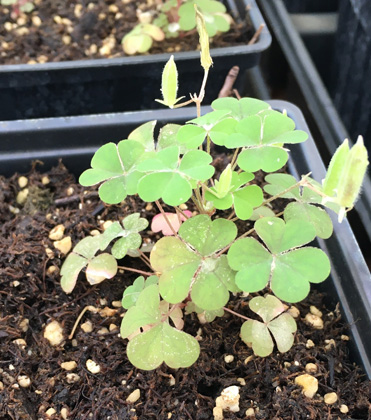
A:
[288, 270]
[135, 223]
[253, 263]
[144, 134]
[210, 290]
[145, 312]
[281, 325]
[191, 136]
[100, 268]
[255, 333]
[316, 216]
[176, 264]
[242, 108]
[163, 344]
[294, 270]
[171, 179]
[171, 187]
[283, 329]
[121, 247]
[88, 246]
[261, 212]
[280, 236]
[267, 158]
[208, 236]
[196, 165]
[220, 132]
[245, 199]
[168, 138]
[70, 271]
[132, 292]
[281, 182]
[181, 265]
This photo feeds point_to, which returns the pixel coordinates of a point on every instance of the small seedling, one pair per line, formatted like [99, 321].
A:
[18, 6]
[175, 19]
[203, 258]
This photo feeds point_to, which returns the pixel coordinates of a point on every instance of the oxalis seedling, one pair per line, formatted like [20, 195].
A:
[202, 259]
[18, 6]
[175, 19]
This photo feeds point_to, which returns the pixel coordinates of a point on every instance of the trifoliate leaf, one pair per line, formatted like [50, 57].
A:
[116, 165]
[281, 325]
[195, 262]
[170, 178]
[132, 292]
[244, 199]
[287, 270]
[261, 136]
[240, 109]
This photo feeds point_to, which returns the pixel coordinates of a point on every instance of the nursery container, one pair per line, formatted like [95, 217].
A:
[351, 83]
[119, 84]
[75, 139]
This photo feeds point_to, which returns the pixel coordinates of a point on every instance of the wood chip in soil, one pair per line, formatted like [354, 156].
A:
[31, 297]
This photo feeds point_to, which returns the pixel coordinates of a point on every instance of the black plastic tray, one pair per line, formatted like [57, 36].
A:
[311, 6]
[119, 84]
[351, 81]
[350, 282]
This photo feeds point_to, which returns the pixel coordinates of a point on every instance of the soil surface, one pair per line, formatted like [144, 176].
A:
[31, 298]
[64, 30]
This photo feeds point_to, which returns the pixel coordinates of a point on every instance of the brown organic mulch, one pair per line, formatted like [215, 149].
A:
[29, 291]
[65, 30]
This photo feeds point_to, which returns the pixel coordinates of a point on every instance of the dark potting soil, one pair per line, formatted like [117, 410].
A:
[31, 297]
[64, 30]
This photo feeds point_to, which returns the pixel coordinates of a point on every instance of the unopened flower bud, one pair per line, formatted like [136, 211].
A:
[352, 175]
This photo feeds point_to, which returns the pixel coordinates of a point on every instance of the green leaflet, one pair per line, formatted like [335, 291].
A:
[132, 292]
[230, 191]
[288, 269]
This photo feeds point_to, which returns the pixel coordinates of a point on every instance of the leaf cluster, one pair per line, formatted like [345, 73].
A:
[197, 268]
[175, 19]
[103, 266]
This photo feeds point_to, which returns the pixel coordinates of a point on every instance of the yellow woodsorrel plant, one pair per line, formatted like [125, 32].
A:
[204, 261]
